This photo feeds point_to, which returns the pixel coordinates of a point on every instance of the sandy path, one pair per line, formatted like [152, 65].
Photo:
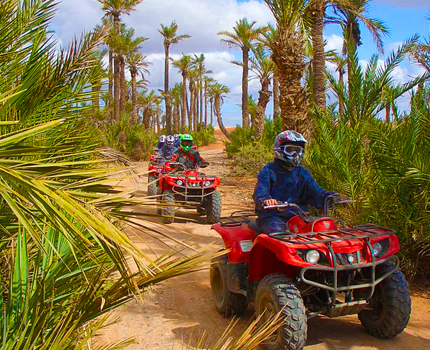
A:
[181, 310]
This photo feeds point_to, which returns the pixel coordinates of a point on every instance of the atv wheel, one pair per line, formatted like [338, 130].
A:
[276, 293]
[391, 303]
[168, 210]
[152, 187]
[213, 207]
[226, 302]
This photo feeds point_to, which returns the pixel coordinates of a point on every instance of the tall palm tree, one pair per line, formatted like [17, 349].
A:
[208, 81]
[184, 65]
[263, 68]
[288, 47]
[219, 91]
[193, 76]
[115, 9]
[340, 61]
[243, 36]
[176, 94]
[170, 36]
[275, 96]
[137, 65]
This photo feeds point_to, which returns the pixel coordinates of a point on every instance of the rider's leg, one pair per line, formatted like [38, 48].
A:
[273, 224]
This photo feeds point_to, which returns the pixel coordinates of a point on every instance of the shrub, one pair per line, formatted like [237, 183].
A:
[205, 136]
[250, 159]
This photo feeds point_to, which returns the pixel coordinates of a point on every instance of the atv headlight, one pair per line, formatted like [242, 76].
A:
[179, 182]
[207, 183]
[376, 249]
[312, 256]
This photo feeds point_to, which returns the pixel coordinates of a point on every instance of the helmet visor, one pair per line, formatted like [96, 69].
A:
[186, 143]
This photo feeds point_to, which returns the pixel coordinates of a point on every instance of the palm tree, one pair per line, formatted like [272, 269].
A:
[207, 81]
[218, 91]
[288, 47]
[340, 61]
[184, 65]
[263, 68]
[136, 64]
[115, 9]
[252, 107]
[170, 37]
[243, 37]
[193, 76]
[176, 94]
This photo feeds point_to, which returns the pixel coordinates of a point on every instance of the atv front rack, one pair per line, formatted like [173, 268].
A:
[194, 191]
[364, 232]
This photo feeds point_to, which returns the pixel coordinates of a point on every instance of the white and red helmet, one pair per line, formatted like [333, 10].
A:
[170, 140]
[290, 147]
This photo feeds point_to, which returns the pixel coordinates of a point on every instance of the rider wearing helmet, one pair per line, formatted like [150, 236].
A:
[169, 149]
[285, 180]
[177, 140]
[186, 154]
[161, 142]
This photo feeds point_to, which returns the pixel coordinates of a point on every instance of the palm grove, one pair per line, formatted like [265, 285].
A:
[63, 250]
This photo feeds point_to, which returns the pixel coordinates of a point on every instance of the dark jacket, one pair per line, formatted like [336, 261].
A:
[296, 186]
[167, 152]
[189, 159]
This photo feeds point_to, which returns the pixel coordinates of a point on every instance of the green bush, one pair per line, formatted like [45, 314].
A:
[134, 140]
[245, 137]
[250, 159]
[205, 136]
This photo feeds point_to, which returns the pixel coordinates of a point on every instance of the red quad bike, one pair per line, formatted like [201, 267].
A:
[318, 266]
[191, 189]
[156, 167]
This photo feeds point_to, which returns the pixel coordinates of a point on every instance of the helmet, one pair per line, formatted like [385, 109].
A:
[290, 147]
[170, 140]
[187, 142]
[162, 138]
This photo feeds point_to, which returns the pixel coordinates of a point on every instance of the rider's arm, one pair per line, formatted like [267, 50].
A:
[161, 153]
[315, 194]
[262, 189]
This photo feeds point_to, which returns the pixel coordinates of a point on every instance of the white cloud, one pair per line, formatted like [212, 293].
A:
[334, 42]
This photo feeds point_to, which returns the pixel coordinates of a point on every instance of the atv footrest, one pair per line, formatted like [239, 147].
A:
[349, 308]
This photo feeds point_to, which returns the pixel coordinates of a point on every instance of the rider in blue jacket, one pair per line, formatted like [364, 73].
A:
[284, 180]
[169, 149]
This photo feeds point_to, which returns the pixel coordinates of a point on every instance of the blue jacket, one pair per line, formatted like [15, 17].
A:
[297, 186]
[167, 152]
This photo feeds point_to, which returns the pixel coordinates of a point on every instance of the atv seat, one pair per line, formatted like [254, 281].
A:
[254, 227]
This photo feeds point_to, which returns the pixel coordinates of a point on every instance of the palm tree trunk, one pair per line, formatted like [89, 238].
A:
[201, 97]
[134, 97]
[191, 107]
[341, 85]
[212, 111]
[184, 102]
[116, 83]
[245, 113]
[318, 62]
[206, 104]
[110, 84]
[263, 100]
[293, 97]
[275, 98]
[219, 117]
[123, 84]
[166, 90]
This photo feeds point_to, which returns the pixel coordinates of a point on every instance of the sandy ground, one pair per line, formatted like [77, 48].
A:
[181, 310]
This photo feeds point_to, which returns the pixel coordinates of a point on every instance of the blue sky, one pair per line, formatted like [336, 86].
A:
[203, 19]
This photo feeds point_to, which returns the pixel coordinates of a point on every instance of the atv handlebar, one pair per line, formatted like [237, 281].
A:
[280, 205]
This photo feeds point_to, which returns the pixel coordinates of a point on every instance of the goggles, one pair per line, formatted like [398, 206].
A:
[292, 150]
[187, 143]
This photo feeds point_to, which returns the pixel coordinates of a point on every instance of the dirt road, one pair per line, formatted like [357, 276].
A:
[181, 310]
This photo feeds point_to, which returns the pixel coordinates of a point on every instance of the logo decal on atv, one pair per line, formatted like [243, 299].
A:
[245, 246]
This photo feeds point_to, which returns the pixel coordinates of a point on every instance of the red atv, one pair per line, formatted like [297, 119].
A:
[189, 188]
[155, 168]
[317, 266]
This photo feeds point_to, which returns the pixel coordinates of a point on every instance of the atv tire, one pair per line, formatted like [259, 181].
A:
[152, 187]
[226, 302]
[391, 304]
[213, 207]
[168, 209]
[276, 293]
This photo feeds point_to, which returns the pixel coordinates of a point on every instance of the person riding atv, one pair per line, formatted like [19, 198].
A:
[285, 180]
[161, 142]
[169, 149]
[187, 155]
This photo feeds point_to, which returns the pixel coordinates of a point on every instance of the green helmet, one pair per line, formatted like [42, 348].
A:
[187, 142]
